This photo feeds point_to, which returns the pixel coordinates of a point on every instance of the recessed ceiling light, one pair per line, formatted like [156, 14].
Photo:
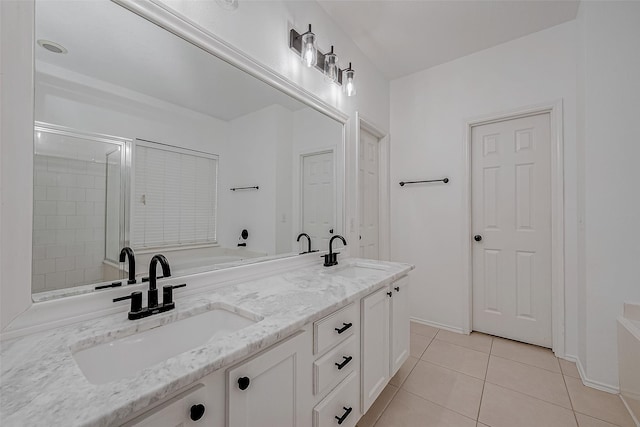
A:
[228, 4]
[52, 46]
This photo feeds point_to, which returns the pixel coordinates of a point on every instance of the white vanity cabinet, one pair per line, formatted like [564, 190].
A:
[272, 388]
[200, 405]
[327, 374]
[385, 337]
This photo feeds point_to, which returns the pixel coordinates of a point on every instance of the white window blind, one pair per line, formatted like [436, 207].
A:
[174, 196]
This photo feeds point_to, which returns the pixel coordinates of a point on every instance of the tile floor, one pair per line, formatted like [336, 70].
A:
[477, 380]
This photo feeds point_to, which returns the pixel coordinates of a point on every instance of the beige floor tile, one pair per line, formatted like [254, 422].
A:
[527, 379]
[506, 408]
[453, 390]
[424, 330]
[418, 344]
[377, 408]
[569, 368]
[408, 410]
[525, 353]
[598, 404]
[461, 359]
[474, 341]
[587, 421]
[404, 371]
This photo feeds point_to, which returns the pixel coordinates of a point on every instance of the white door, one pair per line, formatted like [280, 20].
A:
[318, 200]
[511, 223]
[375, 345]
[369, 195]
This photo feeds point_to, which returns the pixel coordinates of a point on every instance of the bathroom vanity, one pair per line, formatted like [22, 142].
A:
[311, 346]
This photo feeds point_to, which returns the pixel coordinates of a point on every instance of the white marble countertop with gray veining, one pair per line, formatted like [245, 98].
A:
[41, 385]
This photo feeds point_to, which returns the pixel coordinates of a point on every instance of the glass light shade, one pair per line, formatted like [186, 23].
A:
[348, 84]
[331, 67]
[309, 52]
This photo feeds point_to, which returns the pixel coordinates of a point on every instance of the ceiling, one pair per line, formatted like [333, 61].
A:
[401, 37]
[111, 44]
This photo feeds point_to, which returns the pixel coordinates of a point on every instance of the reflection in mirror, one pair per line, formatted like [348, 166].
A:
[144, 140]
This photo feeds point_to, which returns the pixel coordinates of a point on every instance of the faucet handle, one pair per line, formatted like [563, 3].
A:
[136, 301]
[167, 293]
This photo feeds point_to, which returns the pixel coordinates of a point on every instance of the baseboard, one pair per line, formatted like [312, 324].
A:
[592, 383]
[633, 416]
[437, 325]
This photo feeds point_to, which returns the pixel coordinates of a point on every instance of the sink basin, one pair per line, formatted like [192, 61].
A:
[357, 270]
[124, 357]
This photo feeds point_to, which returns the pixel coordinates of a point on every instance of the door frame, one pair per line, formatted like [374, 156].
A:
[384, 208]
[555, 111]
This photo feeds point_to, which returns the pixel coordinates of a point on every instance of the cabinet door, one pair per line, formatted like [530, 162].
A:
[265, 390]
[399, 327]
[375, 346]
[177, 411]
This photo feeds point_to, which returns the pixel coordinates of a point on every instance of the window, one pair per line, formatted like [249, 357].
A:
[174, 196]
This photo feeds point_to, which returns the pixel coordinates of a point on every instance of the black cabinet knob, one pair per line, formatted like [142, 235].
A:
[390, 294]
[397, 288]
[243, 383]
[197, 412]
[477, 237]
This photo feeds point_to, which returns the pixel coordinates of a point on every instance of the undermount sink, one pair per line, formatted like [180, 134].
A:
[357, 270]
[124, 357]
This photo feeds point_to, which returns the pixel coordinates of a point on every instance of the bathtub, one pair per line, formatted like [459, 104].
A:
[629, 358]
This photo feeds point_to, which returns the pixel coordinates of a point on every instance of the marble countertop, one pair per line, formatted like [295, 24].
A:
[41, 385]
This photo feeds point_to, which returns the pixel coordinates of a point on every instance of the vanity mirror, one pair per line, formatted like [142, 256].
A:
[145, 140]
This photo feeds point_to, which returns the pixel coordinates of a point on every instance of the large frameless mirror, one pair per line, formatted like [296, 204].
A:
[143, 140]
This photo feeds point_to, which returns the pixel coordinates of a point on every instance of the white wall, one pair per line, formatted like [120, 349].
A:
[428, 114]
[609, 69]
[251, 159]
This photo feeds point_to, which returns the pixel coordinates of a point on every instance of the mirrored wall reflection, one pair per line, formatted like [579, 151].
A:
[79, 204]
[205, 163]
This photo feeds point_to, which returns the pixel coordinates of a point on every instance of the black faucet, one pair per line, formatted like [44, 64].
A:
[152, 293]
[128, 252]
[137, 311]
[309, 240]
[331, 258]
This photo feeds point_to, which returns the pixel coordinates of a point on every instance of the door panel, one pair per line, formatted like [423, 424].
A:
[318, 201]
[369, 195]
[511, 210]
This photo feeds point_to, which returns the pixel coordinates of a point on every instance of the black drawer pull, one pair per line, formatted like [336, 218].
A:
[344, 327]
[390, 294]
[243, 383]
[397, 288]
[346, 361]
[344, 416]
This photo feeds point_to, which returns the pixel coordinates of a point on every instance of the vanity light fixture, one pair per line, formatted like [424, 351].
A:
[331, 70]
[348, 85]
[304, 44]
[308, 49]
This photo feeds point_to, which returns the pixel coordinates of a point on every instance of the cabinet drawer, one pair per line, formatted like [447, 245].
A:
[186, 409]
[334, 328]
[340, 407]
[334, 366]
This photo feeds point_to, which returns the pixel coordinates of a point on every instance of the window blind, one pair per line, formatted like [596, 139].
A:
[175, 196]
